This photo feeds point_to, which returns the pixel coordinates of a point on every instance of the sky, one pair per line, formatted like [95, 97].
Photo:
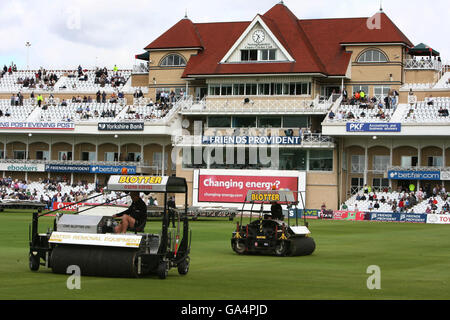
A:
[65, 34]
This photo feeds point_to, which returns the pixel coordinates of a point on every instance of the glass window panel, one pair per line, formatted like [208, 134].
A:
[269, 122]
[244, 122]
[272, 54]
[292, 159]
[219, 122]
[250, 89]
[321, 160]
[295, 122]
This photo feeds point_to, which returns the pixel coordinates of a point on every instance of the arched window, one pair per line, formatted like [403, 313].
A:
[373, 56]
[173, 60]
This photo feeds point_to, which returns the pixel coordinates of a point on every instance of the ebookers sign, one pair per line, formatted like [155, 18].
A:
[23, 167]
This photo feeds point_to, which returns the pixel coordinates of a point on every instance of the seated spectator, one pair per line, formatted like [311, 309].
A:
[331, 115]
[430, 101]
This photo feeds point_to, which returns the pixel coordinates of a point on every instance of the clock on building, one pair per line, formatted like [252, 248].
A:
[258, 36]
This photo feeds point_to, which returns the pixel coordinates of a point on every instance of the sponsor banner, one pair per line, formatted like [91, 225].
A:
[252, 140]
[120, 126]
[414, 175]
[438, 218]
[309, 213]
[37, 125]
[233, 189]
[72, 168]
[138, 183]
[374, 127]
[398, 217]
[108, 240]
[23, 167]
[112, 169]
[348, 215]
[378, 216]
[413, 217]
[72, 206]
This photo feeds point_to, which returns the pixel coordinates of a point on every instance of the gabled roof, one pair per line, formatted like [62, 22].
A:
[183, 34]
[386, 32]
[315, 45]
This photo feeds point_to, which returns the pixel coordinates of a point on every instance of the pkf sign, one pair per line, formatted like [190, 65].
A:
[373, 127]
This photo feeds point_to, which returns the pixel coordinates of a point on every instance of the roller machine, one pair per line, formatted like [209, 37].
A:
[90, 243]
[267, 235]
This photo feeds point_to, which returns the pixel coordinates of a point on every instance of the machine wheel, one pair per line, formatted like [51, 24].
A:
[183, 267]
[163, 270]
[239, 247]
[34, 262]
[281, 249]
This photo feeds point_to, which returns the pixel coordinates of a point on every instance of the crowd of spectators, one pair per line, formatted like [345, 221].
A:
[405, 199]
[366, 103]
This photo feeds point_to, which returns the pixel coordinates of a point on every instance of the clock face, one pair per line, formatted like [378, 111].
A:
[258, 36]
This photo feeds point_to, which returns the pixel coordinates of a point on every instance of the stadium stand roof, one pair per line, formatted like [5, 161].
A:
[315, 45]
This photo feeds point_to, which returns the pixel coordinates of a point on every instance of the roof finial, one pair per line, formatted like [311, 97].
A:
[381, 5]
[185, 14]
[281, 2]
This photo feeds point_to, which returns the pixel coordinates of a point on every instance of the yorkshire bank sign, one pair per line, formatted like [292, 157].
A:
[22, 167]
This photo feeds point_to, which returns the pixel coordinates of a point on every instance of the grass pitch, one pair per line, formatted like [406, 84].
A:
[414, 260]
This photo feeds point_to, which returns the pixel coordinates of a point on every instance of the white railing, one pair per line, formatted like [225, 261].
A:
[248, 105]
[424, 64]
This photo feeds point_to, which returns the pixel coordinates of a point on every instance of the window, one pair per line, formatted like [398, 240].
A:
[381, 163]
[64, 155]
[358, 164]
[381, 91]
[379, 184]
[250, 89]
[214, 89]
[269, 122]
[173, 60]
[134, 156]
[249, 55]
[295, 122]
[219, 122]
[292, 159]
[227, 89]
[356, 185]
[264, 89]
[408, 161]
[239, 89]
[244, 122]
[88, 156]
[361, 88]
[372, 56]
[19, 154]
[42, 155]
[435, 161]
[321, 160]
[111, 156]
[267, 55]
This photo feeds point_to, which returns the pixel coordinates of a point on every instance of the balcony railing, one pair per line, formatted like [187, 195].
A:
[424, 64]
[259, 105]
